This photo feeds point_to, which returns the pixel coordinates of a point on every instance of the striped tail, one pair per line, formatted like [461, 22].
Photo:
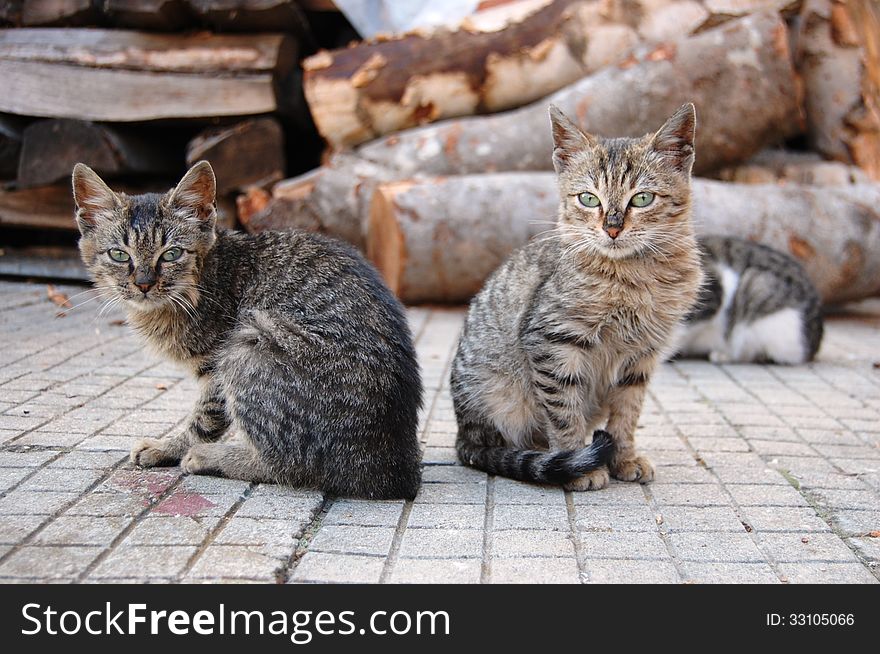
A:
[536, 466]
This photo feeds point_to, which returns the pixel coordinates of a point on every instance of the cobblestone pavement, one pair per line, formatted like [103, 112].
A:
[765, 474]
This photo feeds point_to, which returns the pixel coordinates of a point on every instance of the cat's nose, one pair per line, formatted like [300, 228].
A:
[613, 232]
[145, 287]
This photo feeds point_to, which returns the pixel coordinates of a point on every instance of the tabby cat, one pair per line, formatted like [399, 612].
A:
[565, 335]
[757, 305]
[306, 365]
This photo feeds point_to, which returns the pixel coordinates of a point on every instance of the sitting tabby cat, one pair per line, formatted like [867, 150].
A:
[757, 305]
[565, 334]
[307, 369]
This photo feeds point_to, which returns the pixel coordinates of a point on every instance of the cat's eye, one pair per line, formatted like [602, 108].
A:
[589, 200]
[119, 256]
[172, 254]
[642, 199]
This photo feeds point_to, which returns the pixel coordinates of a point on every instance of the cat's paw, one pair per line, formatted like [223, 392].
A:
[595, 480]
[199, 460]
[717, 356]
[150, 452]
[638, 468]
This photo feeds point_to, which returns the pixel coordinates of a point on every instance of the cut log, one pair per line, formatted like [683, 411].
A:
[838, 56]
[52, 147]
[121, 76]
[156, 15]
[720, 71]
[50, 262]
[251, 202]
[250, 153]
[59, 12]
[10, 146]
[384, 85]
[785, 167]
[437, 240]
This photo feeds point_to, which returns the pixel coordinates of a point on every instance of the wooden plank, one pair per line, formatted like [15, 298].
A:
[53, 90]
[39, 208]
[43, 262]
[58, 12]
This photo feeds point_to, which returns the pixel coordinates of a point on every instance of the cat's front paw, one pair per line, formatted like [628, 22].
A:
[199, 460]
[638, 468]
[717, 356]
[595, 480]
[150, 452]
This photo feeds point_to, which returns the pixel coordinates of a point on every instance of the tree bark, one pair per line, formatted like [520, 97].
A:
[490, 64]
[437, 240]
[52, 147]
[58, 12]
[122, 76]
[249, 153]
[838, 56]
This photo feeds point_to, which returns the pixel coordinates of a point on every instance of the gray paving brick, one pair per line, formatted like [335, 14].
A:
[447, 516]
[442, 543]
[508, 491]
[535, 570]
[846, 499]
[765, 495]
[170, 530]
[364, 513]
[436, 571]
[61, 479]
[238, 562]
[729, 573]
[452, 494]
[783, 518]
[623, 545]
[330, 568]
[530, 516]
[48, 562]
[454, 474]
[82, 530]
[826, 573]
[621, 571]
[616, 518]
[800, 547]
[34, 502]
[715, 547]
[138, 562]
[348, 539]
[695, 518]
[523, 543]
[690, 495]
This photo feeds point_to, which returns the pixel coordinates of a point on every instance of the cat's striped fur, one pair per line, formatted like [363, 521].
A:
[564, 336]
[305, 360]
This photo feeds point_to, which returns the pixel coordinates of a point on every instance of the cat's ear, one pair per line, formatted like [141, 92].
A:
[568, 139]
[675, 140]
[196, 192]
[94, 200]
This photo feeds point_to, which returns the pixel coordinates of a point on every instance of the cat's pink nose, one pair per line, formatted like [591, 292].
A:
[613, 232]
[144, 287]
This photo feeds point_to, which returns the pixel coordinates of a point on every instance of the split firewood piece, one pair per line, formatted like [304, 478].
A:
[786, 167]
[123, 76]
[249, 153]
[51, 148]
[838, 56]
[436, 240]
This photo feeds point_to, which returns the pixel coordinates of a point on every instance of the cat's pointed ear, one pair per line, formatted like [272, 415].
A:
[196, 192]
[94, 200]
[675, 140]
[568, 139]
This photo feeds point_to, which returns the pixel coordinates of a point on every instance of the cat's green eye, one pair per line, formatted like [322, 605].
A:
[172, 254]
[642, 199]
[118, 255]
[589, 200]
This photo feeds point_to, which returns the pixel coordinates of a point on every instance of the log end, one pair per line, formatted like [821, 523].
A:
[386, 247]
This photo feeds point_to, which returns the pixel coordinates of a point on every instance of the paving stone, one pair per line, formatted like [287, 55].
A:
[259, 531]
[442, 543]
[34, 502]
[826, 573]
[715, 547]
[170, 530]
[451, 494]
[846, 499]
[436, 571]
[623, 545]
[695, 518]
[14, 529]
[765, 495]
[108, 504]
[508, 491]
[348, 539]
[690, 495]
[82, 530]
[616, 518]
[237, 562]
[857, 522]
[138, 562]
[453, 474]
[332, 568]
[535, 570]
[515, 543]
[58, 479]
[48, 562]
[530, 516]
[782, 518]
[800, 547]
[447, 516]
[364, 513]
[620, 571]
[728, 573]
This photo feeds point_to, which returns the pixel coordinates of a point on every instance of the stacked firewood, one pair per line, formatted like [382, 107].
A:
[441, 144]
